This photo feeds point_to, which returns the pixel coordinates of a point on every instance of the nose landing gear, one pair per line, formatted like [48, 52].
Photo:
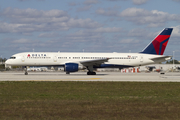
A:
[25, 69]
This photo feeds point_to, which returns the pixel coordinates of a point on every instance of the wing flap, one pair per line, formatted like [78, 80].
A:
[94, 62]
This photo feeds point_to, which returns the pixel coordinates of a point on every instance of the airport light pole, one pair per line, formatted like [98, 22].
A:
[173, 60]
[1, 60]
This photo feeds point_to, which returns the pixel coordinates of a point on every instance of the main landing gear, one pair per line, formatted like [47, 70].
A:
[67, 72]
[91, 73]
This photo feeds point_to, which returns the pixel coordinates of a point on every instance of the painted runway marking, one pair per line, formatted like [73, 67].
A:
[64, 79]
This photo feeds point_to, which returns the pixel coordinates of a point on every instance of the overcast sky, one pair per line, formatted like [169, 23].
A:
[89, 25]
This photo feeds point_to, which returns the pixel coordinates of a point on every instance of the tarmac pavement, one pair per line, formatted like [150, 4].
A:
[81, 76]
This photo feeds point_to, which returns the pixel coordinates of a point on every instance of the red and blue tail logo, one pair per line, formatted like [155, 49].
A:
[158, 45]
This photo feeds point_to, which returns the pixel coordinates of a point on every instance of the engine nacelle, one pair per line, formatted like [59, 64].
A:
[71, 67]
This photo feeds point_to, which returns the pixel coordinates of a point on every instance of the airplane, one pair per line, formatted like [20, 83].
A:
[72, 62]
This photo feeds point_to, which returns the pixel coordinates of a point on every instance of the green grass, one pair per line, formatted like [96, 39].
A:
[89, 100]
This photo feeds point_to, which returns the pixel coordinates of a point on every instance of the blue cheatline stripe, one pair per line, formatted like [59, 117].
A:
[112, 66]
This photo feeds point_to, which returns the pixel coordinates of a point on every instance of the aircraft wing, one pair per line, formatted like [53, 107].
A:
[94, 62]
[156, 59]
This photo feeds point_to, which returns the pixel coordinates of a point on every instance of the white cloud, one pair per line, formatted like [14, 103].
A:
[141, 16]
[108, 30]
[72, 3]
[31, 20]
[108, 12]
[29, 0]
[33, 15]
[133, 12]
[129, 41]
[87, 5]
[8, 27]
[139, 2]
[176, 31]
[49, 35]
[117, 0]
[82, 23]
[28, 28]
[89, 2]
[137, 32]
[136, 2]
[21, 41]
[84, 8]
[93, 35]
[152, 18]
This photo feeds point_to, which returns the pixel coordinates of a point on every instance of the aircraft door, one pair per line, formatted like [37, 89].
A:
[23, 59]
[55, 58]
[141, 58]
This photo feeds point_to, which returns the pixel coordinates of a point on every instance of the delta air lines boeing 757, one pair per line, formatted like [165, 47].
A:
[72, 62]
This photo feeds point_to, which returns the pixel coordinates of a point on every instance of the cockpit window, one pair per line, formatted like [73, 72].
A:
[12, 57]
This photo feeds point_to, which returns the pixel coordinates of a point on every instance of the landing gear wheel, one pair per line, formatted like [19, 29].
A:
[91, 73]
[26, 73]
[67, 72]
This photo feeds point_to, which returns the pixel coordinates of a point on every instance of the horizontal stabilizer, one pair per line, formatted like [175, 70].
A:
[161, 58]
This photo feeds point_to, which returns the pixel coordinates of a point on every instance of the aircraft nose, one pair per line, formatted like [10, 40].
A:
[7, 62]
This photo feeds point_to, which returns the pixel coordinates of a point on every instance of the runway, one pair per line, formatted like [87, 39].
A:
[81, 76]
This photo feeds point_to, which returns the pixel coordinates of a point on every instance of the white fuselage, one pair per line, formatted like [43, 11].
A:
[53, 58]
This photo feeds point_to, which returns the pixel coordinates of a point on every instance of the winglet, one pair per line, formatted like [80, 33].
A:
[158, 45]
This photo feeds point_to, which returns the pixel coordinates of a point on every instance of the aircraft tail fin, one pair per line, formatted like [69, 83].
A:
[158, 45]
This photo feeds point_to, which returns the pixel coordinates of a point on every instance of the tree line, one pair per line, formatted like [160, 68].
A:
[171, 62]
[3, 59]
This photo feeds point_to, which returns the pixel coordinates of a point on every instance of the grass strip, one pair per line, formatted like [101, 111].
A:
[89, 100]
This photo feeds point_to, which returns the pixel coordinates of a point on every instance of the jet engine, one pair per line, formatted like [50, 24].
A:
[72, 67]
